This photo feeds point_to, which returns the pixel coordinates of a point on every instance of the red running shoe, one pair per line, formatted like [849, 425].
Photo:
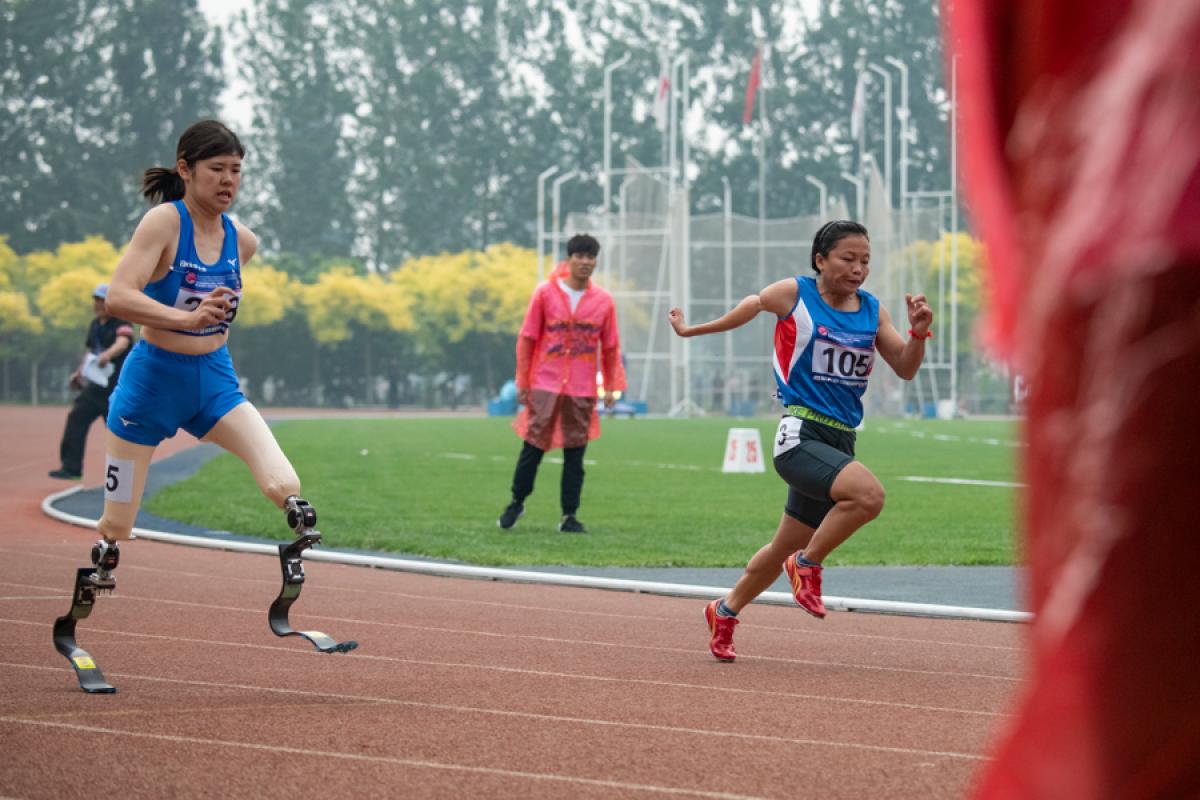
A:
[721, 643]
[806, 586]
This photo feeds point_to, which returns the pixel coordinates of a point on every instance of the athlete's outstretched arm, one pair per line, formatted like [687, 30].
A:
[779, 298]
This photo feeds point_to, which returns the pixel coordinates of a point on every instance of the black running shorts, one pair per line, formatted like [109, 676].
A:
[808, 456]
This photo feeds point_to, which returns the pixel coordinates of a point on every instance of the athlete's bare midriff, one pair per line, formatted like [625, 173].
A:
[184, 344]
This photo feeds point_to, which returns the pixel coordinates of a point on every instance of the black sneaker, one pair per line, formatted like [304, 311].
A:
[510, 515]
[65, 474]
[571, 525]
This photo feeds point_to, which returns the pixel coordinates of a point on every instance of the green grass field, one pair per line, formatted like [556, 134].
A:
[654, 493]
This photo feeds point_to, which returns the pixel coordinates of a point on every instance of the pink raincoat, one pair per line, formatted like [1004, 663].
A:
[558, 356]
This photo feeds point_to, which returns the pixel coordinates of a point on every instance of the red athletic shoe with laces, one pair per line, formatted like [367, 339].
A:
[721, 644]
[806, 586]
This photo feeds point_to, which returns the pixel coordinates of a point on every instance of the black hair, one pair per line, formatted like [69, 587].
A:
[583, 243]
[204, 139]
[833, 232]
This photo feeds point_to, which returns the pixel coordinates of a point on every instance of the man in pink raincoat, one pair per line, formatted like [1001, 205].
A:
[569, 333]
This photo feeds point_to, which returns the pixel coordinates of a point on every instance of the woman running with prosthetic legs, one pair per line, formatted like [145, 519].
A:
[827, 333]
[180, 279]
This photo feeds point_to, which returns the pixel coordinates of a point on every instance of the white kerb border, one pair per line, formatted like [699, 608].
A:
[547, 578]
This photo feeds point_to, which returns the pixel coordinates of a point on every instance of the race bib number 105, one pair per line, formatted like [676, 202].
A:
[839, 363]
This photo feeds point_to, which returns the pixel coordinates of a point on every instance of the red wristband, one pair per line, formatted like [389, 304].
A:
[913, 334]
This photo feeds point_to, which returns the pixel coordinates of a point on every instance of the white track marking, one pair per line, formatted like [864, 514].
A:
[961, 481]
[396, 761]
[578, 676]
[558, 610]
[548, 639]
[438, 600]
[670, 729]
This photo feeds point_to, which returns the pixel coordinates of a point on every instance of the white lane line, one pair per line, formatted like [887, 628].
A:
[436, 599]
[943, 437]
[575, 676]
[604, 723]
[961, 481]
[547, 639]
[40, 597]
[393, 760]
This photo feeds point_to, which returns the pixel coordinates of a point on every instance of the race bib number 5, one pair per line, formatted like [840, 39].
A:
[118, 480]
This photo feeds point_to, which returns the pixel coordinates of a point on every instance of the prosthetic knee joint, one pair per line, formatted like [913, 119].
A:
[301, 518]
[88, 582]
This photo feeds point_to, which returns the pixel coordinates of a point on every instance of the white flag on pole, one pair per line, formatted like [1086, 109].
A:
[858, 106]
[662, 95]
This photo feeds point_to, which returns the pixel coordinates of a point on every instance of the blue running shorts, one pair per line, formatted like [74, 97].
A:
[160, 392]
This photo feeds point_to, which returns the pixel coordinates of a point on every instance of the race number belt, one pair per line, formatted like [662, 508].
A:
[803, 412]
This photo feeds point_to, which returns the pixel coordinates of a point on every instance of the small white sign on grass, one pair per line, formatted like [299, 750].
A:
[743, 451]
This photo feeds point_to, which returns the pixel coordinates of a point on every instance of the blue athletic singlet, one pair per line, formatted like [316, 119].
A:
[190, 279]
[823, 356]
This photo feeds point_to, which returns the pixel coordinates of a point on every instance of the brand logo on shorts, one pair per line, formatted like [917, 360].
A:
[127, 422]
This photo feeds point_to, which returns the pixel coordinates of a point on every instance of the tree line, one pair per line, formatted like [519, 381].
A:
[381, 131]
[437, 330]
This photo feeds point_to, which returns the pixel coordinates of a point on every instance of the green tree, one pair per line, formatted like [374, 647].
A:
[87, 89]
[301, 163]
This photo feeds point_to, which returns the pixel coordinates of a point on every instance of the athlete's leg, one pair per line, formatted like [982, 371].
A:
[124, 481]
[126, 466]
[767, 563]
[243, 432]
[858, 498]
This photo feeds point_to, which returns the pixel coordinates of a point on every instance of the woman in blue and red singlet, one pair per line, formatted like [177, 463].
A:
[826, 335]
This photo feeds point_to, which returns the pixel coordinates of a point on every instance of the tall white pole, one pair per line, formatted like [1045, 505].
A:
[608, 72]
[541, 221]
[762, 167]
[671, 127]
[858, 194]
[728, 239]
[686, 235]
[683, 114]
[887, 129]
[823, 194]
[556, 231]
[954, 233]
[905, 121]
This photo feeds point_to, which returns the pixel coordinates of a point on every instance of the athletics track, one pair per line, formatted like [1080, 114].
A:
[460, 687]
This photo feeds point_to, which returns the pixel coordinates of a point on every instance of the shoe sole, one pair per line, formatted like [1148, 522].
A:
[788, 569]
[709, 617]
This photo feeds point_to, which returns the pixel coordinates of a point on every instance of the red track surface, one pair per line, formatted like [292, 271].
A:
[459, 688]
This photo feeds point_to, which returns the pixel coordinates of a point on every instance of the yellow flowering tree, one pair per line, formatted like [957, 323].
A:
[355, 311]
[266, 295]
[468, 307]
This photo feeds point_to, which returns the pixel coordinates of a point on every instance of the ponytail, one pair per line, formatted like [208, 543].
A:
[162, 185]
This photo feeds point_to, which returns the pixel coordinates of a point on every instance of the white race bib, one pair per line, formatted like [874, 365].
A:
[841, 364]
[787, 435]
[118, 479]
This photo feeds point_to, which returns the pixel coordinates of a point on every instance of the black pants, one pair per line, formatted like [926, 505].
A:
[572, 475]
[90, 403]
